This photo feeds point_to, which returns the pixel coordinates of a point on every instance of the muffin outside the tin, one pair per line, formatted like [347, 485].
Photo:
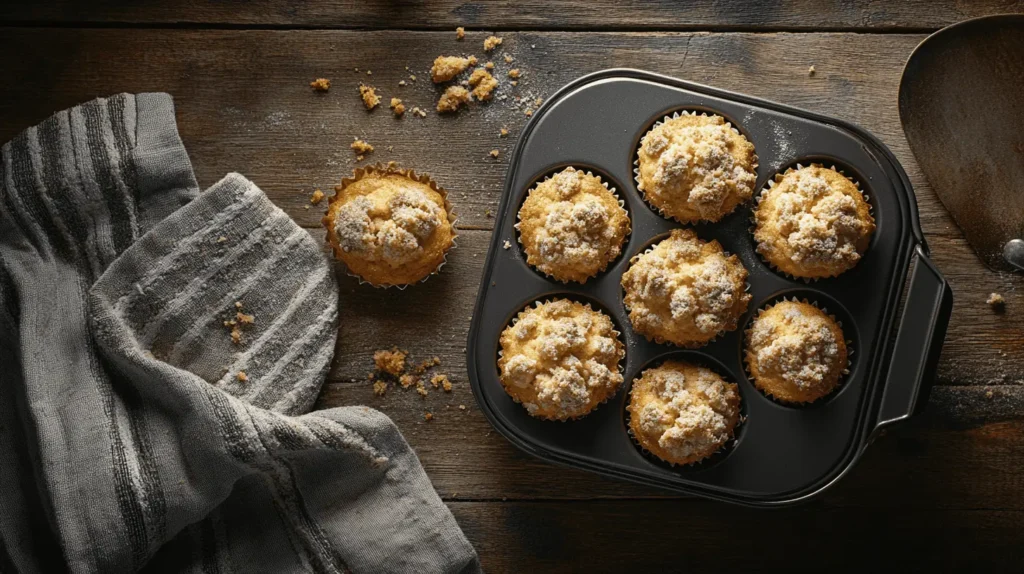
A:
[696, 168]
[685, 291]
[390, 227]
[571, 226]
[560, 359]
[795, 352]
[813, 222]
[683, 413]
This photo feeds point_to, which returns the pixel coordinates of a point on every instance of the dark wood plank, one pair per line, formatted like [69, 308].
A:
[527, 14]
[697, 536]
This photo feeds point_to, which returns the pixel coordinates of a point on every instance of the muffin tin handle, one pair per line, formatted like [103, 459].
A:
[922, 329]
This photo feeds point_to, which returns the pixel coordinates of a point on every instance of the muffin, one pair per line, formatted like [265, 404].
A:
[685, 291]
[682, 413]
[696, 168]
[572, 226]
[812, 222]
[795, 352]
[390, 227]
[560, 359]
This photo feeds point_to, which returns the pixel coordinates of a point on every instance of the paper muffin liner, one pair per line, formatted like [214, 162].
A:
[663, 341]
[390, 168]
[625, 238]
[757, 204]
[636, 166]
[619, 363]
[746, 348]
[719, 453]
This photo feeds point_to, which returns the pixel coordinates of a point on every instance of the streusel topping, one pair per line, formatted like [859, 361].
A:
[572, 226]
[685, 291]
[683, 413]
[696, 167]
[814, 222]
[796, 352]
[560, 359]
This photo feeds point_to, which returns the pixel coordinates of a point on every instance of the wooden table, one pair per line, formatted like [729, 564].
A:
[943, 491]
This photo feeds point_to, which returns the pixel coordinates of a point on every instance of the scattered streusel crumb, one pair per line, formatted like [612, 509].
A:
[408, 380]
[369, 95]
[489, 66]
[361, 147]
[514, 73]
[221, 239]
[422, 390]
[412, 77]
[391, 362]
[369, 73]
[528, 112]
[401, 82]
[503, 132]
[460, 33]
[317, 197]
[508, 59]
[462, 407]
[236, 334]
[442, 381]
[507, 245]
[452, 99]
[447, 67]
[537, 102]
[320, 84]
[515, 83]
[989, 394]
[379, 388]
[810, 71]
[491, 43]
[242, 376]
[360, 157]
[416, 111]
[484, 84]
[996, 301]
[398, 107]
[428, 416]
[494, 153]
[238, 304]
[244, 319]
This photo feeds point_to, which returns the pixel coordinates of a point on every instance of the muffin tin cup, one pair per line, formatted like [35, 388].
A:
[759, 197]
[847, 341]
[784, 454]
[607, 185]
[390, 168]
[636, 164]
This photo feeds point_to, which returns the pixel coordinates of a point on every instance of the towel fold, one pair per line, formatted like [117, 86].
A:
[158, 347]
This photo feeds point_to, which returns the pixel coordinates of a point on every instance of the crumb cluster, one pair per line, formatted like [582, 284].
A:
[445, 68]
[391, 366]
[369, 95]
[320, 84]
[317, 197]
[397, 107]
[683, 413]
[483, 84]
[491, 42]
[685, 291]
[696, 168]
[452, 99]
[238, 322]
[560, 359]
[996, 302]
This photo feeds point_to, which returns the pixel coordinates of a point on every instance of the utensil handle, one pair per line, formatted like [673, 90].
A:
[919, 339]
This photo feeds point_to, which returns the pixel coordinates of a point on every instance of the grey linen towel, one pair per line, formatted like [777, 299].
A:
[128, 438]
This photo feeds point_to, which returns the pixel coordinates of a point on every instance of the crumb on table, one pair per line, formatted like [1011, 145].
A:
[241, 376]
[491, 42]
[503, 132]
[416, 111]
[361, 147]
[489, 66]
[244, 319]
[398, 107]
[317, 197]
[369, 95]
[506, 245]
[320, 84]
[508, 59]
[391, 362]
[452, 98]
[514, 73]
[484, 84]
[528, 112]
[810, 71]
[447, 67]
[428, 416]
[442, 381]
[379, 388]
[460, 33]
[494, 153]
[996, 301]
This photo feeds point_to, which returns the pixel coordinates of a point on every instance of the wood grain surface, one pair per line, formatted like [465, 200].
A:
[878, 15]
[942, 490]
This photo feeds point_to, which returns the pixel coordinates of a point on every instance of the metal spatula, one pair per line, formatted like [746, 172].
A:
[962, 108]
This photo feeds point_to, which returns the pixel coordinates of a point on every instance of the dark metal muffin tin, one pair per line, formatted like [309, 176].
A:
[782, 454]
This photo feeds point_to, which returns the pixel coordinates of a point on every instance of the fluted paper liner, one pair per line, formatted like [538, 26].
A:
[389, 169]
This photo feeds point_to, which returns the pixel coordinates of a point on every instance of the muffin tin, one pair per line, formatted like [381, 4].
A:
[782, 454]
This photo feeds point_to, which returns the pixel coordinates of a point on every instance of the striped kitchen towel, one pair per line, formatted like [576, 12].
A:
[158, 348]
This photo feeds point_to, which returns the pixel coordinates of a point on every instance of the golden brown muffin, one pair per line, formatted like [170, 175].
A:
[571, 226]
[696, 168]
[682, 413]
[390, 227]
[813, 222]
[795, 352]
[560, 359]
[685, 291]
